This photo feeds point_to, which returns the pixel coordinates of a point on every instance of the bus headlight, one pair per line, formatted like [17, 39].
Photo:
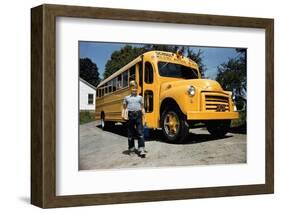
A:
[233, 97]
[191, 91]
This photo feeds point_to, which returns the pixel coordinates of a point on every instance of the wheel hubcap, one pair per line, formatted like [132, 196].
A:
[102, 122]
[171, 124]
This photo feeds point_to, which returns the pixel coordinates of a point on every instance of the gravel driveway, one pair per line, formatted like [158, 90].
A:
[100, 149]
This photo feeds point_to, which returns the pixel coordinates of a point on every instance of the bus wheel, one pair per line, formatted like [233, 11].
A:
[105, 125]
[218, 128]
[102, 122]
[174, 125]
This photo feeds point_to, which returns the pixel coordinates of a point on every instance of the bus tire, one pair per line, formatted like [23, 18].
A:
[102, 122]
[174, 125]
[105, 125]
[218, 128]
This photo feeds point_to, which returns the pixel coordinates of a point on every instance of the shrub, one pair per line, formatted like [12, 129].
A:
[86, 117]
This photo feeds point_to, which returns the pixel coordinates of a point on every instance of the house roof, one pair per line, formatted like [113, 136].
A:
[87, 83]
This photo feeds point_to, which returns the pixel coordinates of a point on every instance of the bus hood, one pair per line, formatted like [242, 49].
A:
[200, 84]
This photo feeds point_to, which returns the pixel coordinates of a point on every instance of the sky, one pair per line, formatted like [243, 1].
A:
[100, 52]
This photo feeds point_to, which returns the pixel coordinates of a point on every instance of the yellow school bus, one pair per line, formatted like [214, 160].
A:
[175, 96]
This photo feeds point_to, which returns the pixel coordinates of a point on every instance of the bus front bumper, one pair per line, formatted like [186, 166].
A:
[212, 115]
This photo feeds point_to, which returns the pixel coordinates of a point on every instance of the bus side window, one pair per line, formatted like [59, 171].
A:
[110, 86]
[148, 73]
[102, 91]
[125, 79]
[132, 73]
[105, 89]
[119, 82]
[114, 84]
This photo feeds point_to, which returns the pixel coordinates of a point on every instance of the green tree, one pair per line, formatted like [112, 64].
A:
[89, 71]
[232, 74]
[122, 57]
[198, 58]
[161, 47]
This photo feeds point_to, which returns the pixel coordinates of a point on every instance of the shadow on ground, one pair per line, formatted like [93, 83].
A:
[239, 129]
[156, 135]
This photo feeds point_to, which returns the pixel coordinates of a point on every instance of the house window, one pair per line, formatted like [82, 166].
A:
[90, 98]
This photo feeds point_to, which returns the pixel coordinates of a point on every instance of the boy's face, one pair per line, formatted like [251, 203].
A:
[134, 91]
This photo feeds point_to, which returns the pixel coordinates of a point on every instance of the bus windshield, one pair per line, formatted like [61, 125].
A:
[172, 70]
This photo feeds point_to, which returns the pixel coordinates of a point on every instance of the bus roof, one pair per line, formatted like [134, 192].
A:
[162, 55]
[136, 60]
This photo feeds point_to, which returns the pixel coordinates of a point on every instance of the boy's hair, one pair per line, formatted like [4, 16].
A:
[133, 84]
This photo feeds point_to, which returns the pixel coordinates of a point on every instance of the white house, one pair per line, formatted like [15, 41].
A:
[87, 96]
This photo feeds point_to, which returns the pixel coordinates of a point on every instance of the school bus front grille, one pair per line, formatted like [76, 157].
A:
[216, 102]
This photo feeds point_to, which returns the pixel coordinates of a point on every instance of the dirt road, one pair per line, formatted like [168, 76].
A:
[100, 149]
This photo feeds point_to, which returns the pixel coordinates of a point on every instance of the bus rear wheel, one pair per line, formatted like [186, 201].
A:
[174, 125]
[105, 124]
[218, 128]
[102, 122]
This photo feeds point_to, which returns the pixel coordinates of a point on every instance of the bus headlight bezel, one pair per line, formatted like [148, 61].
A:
[191, 91]
[233, 97]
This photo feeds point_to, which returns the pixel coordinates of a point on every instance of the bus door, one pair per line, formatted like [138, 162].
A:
[139, 78]
[148, 94]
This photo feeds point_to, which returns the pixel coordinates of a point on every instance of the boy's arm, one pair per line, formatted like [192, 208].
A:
[124, 113]
[125, 103]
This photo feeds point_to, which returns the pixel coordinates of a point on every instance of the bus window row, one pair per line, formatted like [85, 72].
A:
[119, 82]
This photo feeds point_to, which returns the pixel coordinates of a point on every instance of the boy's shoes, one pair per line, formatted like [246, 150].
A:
[132, 151]
[142, 152]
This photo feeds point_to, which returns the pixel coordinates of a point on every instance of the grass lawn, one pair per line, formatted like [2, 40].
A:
[86, 117]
